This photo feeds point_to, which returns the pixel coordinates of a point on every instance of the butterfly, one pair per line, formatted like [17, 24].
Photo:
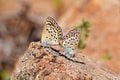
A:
[53, 34]
[70, 41]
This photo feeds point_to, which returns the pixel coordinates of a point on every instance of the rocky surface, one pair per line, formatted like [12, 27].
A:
[104, 17]
[40, 63]
[16, 30]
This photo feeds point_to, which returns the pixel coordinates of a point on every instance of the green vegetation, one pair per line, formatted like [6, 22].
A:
[4, 75]
[84, 27]
[107, 56]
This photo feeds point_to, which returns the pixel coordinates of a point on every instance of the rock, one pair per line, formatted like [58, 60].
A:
[41, 63]
[104, 17]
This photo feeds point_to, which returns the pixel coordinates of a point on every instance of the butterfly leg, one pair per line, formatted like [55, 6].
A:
[69, 52]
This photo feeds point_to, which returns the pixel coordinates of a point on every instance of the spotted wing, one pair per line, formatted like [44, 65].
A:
[51, 32]
[70, 41]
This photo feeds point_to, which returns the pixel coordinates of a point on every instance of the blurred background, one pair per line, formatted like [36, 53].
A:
[21, 22]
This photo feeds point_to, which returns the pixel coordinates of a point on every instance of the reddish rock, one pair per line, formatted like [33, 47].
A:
[104, 17]
[40, 63]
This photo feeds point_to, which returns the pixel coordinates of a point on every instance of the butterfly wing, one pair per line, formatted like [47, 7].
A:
[51, 32]
[70, 42]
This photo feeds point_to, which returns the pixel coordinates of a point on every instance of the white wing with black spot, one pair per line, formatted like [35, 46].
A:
[51, 32]
[70, 41]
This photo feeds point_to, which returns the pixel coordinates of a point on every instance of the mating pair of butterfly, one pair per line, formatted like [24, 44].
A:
[53, 34]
